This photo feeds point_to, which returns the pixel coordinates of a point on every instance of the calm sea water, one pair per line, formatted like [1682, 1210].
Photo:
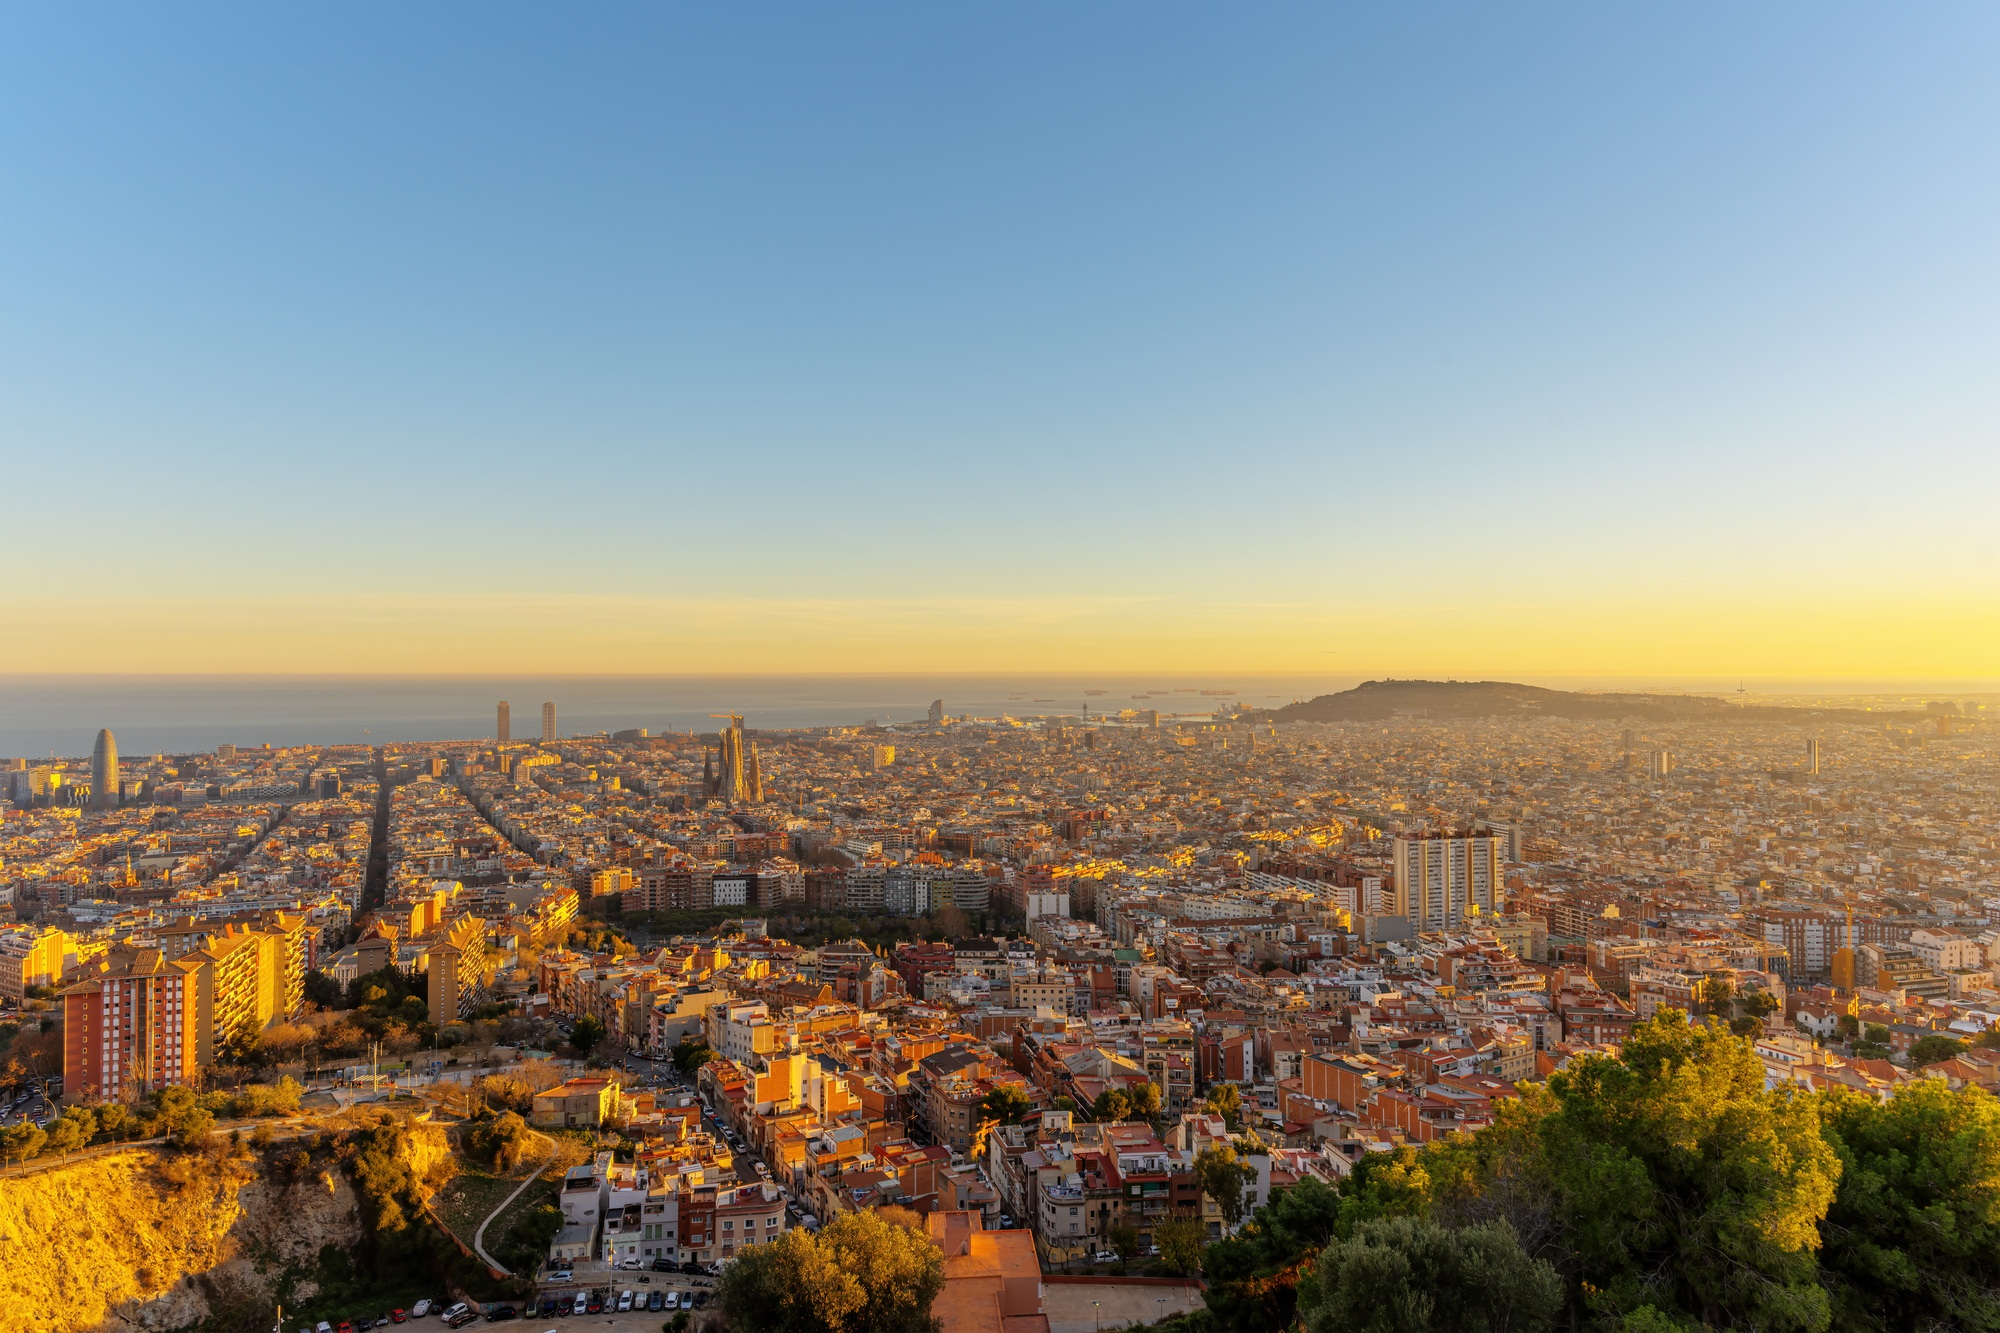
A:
[179, 714]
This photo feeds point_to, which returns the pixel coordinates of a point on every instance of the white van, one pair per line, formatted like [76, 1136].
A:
[454, 1312]
[624, 1301]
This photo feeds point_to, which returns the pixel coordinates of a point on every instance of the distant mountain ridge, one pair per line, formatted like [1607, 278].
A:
[1375, 700]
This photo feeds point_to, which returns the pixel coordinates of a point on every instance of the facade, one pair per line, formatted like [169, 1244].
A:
[459, 971]
[1444, 880]
[503, 725]
[133, 1027]
[32, 957]
[577, 1103]
[548, 721]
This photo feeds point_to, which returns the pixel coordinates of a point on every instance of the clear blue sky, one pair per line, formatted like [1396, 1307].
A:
[1070, 321]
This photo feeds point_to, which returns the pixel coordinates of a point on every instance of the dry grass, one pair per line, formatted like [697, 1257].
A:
[466, 1199]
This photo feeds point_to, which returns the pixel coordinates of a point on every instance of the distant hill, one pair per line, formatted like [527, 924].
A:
[1378, 699]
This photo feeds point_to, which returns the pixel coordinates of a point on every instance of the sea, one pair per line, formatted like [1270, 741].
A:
[41, 716]
[49, 715]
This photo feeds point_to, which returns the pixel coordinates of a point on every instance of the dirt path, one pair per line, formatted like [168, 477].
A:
[479, 1236]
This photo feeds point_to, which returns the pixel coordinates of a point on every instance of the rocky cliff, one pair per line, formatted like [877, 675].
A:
[142, 1240]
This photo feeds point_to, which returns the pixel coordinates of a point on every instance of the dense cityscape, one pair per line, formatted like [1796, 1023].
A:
[1082, 994]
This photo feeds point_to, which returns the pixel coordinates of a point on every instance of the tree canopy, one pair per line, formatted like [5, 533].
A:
[1664, 1188]
[1407, 1275]
[858, 1274]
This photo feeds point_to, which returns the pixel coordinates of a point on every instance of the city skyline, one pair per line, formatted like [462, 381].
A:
[1463, 342]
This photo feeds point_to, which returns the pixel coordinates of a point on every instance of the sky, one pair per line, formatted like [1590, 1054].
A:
[1492, 339]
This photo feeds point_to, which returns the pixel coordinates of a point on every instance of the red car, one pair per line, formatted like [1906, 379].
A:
[398, 1317]
[345, 1327]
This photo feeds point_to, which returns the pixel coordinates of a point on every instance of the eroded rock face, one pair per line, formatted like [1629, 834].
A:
[108, 1231]
[144, 1241]
[278, 1231]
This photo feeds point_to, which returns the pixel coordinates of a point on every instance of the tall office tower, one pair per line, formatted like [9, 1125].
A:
[1659, 763]
[1443, 880]
[503, 726]
[1812, 755]
[548, 721]
[1629, 739]
[937, 711]
[104, 771]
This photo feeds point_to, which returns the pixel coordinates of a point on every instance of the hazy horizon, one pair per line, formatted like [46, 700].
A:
[181, 713]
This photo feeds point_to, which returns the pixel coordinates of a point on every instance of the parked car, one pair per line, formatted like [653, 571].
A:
[656, 1300]
[503, 1313]
[687, 1300]
[399, 1317]
[596, 1303]
[624, 1300]
[700, 1300]
[421, 1308]
[454, 1312]
[582, 1304]
[1104, 1257]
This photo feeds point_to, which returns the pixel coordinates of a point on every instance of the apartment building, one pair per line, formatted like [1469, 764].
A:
[133, 1026]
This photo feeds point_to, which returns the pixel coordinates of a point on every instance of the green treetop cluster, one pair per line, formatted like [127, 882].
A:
[1664, 1189]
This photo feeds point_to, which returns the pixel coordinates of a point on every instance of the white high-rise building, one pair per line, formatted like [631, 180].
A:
[1443, 881]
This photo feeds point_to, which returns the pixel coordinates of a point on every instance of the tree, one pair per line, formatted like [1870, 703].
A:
[1005, 1104]
[1746, 1026]
[178, 1115]
[1226, 1100]
[504, 1142]
[1713, 994]
[1180, 1242]
[267, 1099]
[1406, 1275]
[1849, 1025]
[64, 1136]
[22, 1142]
[322, 990]
[950, 922]
[1224, 1179]
[690, 1054]
[1125, 1242]
[1112, 1106]
[1145, 1101]
[1913, 1236]
[859, 1274]
[1875, 1034]
[586, 1034]
[1933, 1048]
